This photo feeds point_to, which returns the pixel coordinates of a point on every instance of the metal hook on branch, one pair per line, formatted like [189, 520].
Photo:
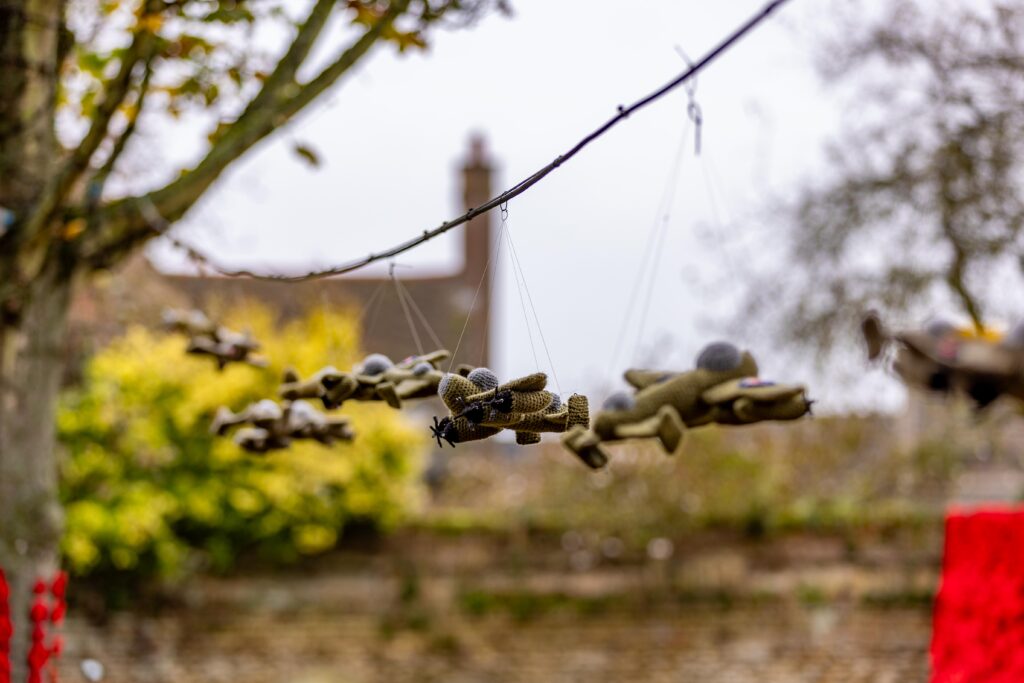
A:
[693, 109]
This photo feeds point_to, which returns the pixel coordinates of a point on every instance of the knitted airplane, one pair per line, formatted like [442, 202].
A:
[208, 339]
[480, 407]
[274, 427]
[377, 378]
[723, 389]
[943, 358]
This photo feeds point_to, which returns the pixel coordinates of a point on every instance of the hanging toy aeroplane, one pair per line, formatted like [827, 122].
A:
[943, 358]
[274, 426]
[377, 378]
[209, 339]
[723, 389]
[480, 407]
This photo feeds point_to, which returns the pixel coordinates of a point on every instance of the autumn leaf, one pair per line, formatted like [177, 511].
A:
[150, 22]
[307, 154]
[73, 229]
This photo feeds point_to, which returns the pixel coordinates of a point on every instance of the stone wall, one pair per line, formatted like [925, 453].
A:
[516, 607]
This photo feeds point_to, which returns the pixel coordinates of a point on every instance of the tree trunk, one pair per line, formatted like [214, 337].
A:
[31, 360]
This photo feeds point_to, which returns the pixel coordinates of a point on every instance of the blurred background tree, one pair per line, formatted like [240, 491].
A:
[150, 493]
[76, 78]
[920, 205]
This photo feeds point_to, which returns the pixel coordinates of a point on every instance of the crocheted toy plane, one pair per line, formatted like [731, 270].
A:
[943, 358]
[209, 339]
[274, 426]
[480, 407]
[723, 389]
[377, 378]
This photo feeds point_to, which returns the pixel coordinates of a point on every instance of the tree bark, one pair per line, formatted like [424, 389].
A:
[31, 360]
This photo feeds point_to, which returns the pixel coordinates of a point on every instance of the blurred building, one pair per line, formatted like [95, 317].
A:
[137, 292]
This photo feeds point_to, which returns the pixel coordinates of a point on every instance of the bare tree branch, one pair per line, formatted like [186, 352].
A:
[100, 178]
[289, 64]
[124, 225]
[114, 93]
[169, 212]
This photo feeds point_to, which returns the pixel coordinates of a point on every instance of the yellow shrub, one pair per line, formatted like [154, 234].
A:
[148, 490]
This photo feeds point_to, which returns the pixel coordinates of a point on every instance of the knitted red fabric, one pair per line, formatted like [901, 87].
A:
[5, 630]
[978, 627]
[38, 653]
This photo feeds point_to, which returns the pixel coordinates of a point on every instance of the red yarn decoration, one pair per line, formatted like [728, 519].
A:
[6, 630]
[59, 587]
[978, 628]
[38, 653]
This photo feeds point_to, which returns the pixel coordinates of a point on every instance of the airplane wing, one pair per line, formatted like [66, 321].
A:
[641, 379]
[434, 357]
[750, 387]
[538, 381]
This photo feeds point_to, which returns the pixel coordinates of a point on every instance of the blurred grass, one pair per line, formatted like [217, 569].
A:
[829, 475]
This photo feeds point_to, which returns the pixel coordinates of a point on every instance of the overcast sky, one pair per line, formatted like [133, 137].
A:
[392, 135]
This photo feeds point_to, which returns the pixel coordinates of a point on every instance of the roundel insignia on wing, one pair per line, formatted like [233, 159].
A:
[948, 349]
[749, 382]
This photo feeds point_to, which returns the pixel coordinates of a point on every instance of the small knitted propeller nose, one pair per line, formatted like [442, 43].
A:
[444, 429]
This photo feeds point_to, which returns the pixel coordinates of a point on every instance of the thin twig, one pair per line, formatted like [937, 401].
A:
[519, 188]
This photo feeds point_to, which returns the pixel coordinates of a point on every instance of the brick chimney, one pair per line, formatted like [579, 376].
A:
[476, 190]
[478, 246]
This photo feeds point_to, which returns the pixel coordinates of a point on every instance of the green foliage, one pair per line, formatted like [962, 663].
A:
[148, 491]
[206, 53]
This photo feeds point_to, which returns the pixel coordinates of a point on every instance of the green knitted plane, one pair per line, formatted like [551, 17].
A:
[377, 378]
[208, 339]
[722, 389]
[274, 426]
[942, 358]
[480, 407]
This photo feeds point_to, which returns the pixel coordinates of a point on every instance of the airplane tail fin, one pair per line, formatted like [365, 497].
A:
[585, 446]
[222, 420]
[527, 438]
[671, 430]
[579, 412]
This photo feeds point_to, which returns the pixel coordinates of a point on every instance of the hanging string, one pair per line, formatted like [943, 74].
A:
[650, 251]
[405, 310]
[419, 314]
[540, 331]
[666, 220]
[519, 287]
[716, 217]
[486, 339]
[472, 306]
[372, 308]
[693, 110]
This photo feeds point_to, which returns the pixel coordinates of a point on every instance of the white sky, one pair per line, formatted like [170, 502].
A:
[391, 137]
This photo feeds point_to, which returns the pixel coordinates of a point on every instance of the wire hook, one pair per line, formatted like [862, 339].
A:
[693, 109]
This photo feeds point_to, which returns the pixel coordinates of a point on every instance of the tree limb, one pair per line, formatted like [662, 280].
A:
[114, 92]
[100, 178]
[289, 64]
[124, 224]
[134, 232]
